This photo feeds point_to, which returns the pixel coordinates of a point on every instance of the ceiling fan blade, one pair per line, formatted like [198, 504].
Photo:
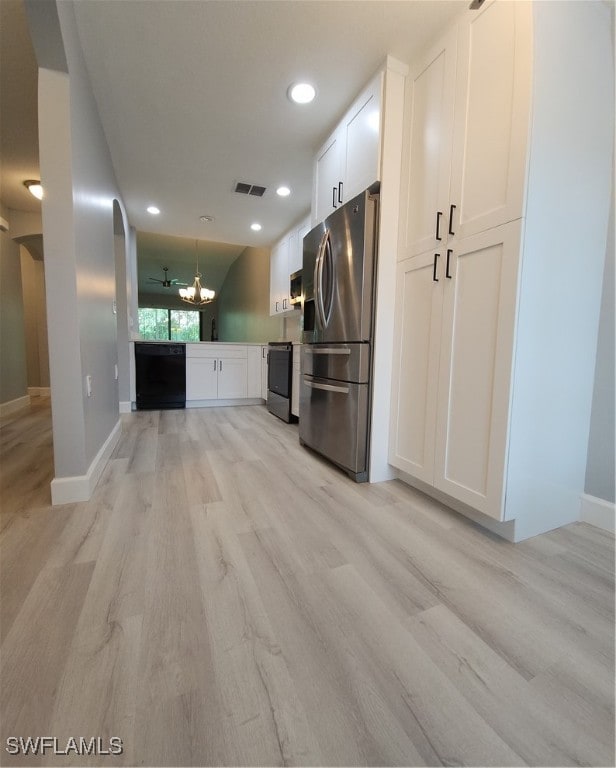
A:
[154, 280]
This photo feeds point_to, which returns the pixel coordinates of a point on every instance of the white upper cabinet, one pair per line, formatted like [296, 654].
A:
[286, 258]
[362, 142]
[297, 263]
[492, 117]
[428, 132]
[466, 129]
[279, 276]
[349, 161]
[327, 177]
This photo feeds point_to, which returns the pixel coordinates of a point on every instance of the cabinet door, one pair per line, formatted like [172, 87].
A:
[327, 177]
[232, 378]
[492, 117]
[279, 276]
[415, 373]
[285, 282]
[362, 143]
[476, 361]
[426, 161]
[201, 378]
[253, 376]
[296, 251]
[264, 372]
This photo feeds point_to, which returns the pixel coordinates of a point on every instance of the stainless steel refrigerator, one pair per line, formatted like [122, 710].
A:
[339, 268]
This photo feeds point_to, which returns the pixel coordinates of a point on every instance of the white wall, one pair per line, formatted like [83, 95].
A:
[600, 464]
[78, 226]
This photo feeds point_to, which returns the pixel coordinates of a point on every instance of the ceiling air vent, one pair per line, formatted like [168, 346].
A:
[249, 189]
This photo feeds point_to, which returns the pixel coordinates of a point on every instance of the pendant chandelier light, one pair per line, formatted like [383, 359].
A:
[197, 294]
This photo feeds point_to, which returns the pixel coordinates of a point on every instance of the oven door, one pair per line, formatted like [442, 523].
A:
[279, 371]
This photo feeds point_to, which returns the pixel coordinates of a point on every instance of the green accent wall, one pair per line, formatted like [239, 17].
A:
[243, 301]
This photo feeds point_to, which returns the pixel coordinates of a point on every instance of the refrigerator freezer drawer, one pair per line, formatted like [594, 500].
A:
[334, 422]
[344, 362]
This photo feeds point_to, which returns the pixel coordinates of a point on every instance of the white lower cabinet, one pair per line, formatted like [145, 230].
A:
[201, 378]
[264, 364]
[232, 378]
[217, 372]
[254, 373]
[453, 363]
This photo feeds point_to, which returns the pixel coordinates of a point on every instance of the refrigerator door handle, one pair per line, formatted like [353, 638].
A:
[326, 387]
[318, 280]
[327, 260]
[327, 351]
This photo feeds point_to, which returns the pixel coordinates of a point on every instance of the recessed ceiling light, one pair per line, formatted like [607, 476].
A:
[301, 93]
[34, 188]
[206, 219]
[283, 191]
[153, 210]
[255, 227]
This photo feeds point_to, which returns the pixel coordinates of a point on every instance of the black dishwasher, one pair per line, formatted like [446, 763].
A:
[160, 375]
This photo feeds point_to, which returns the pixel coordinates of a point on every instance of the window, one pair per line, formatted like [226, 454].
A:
[169, 324]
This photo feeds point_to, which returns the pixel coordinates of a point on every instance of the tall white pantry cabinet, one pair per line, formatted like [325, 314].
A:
[506, 180]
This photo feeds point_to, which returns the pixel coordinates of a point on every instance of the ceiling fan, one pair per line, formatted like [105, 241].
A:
[166, 283]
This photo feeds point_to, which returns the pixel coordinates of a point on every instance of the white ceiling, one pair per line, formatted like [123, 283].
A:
[192, 97]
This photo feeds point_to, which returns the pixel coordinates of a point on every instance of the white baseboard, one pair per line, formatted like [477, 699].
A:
[597, 512]
[67, 490]
[220, 403]
[39, 391]
[126, 406]
[503, 529]
[14, 405]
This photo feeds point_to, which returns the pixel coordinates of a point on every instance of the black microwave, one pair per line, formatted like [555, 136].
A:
[295, 288]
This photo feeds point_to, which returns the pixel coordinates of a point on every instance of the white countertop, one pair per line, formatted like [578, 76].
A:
[226, 343]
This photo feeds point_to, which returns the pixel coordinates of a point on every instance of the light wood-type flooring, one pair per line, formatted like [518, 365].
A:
[228, 598]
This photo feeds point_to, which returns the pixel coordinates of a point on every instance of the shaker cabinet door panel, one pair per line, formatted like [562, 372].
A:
[492, 117]
[428, 132]
[415, 378]
[476, 360]
[327, 176]
[232, 378]
[201, 378]
[362, 143]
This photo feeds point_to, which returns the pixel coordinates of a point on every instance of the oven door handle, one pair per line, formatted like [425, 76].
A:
[326, 387]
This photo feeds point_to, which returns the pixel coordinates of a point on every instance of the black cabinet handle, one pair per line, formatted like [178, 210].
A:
[434, 277]
[452, 208]
[214, 364]
[277, 306]
[334, 190]
[340, 192]
[284, 303]
[447, 273]
[438, 224]
[220, 361]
